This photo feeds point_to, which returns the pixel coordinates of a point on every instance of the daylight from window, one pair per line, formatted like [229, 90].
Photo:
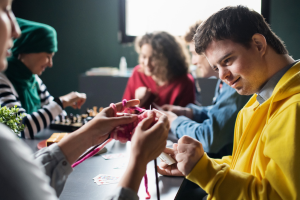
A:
[174, 16]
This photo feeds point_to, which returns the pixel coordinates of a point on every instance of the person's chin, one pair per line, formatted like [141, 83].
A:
[38, 73]
[3, 65]
[148, 73]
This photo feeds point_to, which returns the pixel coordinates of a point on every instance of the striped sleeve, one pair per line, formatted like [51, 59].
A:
[35, 121]
[46, 98]
[8, 95]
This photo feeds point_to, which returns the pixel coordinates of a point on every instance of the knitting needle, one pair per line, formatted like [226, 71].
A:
[92, 149]
[156, 176]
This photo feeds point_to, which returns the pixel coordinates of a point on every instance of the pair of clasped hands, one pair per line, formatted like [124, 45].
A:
[147, 143]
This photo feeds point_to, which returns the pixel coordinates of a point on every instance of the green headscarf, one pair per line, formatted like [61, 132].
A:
[35, 38]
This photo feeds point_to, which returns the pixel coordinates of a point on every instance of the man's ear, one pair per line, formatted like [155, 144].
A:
[260, 43]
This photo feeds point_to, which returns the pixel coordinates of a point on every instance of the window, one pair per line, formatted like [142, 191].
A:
[138, 17]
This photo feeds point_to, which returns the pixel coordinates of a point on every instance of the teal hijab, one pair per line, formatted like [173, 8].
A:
[35, 38]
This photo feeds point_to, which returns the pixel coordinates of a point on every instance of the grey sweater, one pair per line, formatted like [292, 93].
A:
[28, 176]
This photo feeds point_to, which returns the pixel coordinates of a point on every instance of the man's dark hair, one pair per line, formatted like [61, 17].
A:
[189, 35]
[238, 24]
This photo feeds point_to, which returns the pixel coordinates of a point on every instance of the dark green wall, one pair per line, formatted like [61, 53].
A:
[87, 37]
[285, 22]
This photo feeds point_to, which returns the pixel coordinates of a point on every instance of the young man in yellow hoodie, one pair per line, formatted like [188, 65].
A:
[265, 163]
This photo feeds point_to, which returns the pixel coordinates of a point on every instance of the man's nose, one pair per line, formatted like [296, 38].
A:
[224, 73]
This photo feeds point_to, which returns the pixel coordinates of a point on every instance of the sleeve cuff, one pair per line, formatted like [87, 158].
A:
[199, 173]
[206, 172]
[58, 101]
[177, 122]
[56, 152]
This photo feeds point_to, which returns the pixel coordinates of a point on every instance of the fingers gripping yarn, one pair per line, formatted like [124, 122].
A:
[123, 133]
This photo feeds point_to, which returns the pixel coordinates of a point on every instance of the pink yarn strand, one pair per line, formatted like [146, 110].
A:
[124, 102]
[146, 186]
[92, 153]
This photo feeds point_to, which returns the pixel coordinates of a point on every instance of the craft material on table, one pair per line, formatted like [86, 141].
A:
[103, 179]
[167, 158]
[54, 138]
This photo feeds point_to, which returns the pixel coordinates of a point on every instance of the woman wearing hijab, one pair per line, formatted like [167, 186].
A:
[20, 85]
[43, 175]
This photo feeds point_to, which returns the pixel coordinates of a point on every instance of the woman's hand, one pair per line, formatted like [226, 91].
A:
[95, 131]
[73, 99]
[105, 121]
[147, 143]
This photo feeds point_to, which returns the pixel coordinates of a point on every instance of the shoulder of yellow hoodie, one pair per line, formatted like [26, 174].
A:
[286, 92]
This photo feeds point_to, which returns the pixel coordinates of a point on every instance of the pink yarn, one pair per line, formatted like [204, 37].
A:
[92, 153]
[123, 133]
[146, 186]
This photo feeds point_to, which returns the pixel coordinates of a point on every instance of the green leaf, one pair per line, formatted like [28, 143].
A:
[11, 118]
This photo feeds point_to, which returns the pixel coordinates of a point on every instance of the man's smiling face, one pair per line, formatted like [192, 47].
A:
[241, 68]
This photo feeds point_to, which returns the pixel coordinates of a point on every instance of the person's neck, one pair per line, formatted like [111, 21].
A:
[275, 62]
[158, 81]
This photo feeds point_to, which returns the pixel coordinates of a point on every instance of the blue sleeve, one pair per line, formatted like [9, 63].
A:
[217, 129]
[200, 113]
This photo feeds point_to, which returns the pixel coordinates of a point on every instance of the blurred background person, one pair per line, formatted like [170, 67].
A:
[162, 74]
[20, 84]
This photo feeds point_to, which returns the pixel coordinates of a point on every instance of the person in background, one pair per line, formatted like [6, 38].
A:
[162, 75]
[21, 86]
[212, 125]
[43, 175]
[251, 58]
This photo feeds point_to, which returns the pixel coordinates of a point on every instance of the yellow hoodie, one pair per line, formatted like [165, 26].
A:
[265, 163]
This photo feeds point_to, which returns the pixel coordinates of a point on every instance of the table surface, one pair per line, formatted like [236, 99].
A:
[80, 184]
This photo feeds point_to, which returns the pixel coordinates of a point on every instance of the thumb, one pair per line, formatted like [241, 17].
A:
[165, 107]
[145, 123]
[123, 120]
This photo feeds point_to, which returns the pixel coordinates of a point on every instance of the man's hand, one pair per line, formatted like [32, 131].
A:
[187, 153]
[178, 110]
[73, 99]
[169, 170]
[171, 116]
